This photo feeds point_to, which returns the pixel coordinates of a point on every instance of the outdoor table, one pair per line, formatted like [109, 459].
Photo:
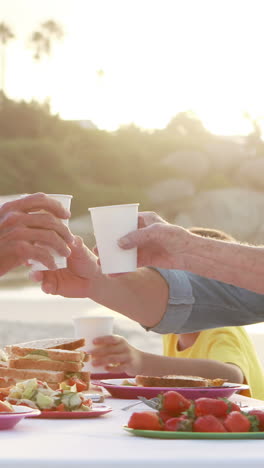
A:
[103, 443]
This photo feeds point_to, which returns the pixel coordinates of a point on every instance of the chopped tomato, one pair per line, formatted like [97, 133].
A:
[87, 402]
[5, 389]
[40, 383]
[60, 407]
[80, 384]
[2, 396]
[13, 402]
[5, 407]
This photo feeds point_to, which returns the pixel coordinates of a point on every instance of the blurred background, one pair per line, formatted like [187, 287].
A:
[152, 101]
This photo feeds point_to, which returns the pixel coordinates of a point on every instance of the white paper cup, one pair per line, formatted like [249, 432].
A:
[8, 198]
[90, 327]
[109, 224]
[61, 262]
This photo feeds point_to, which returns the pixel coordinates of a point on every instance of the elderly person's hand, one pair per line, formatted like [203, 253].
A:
[24, 235]
[159, 243]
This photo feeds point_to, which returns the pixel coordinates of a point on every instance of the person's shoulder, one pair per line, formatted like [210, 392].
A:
[226, 332]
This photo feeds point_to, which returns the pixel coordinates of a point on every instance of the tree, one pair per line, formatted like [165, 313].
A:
[5, 36]
[41, 41]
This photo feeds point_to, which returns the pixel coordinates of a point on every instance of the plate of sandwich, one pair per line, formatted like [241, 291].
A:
[47, 375]
[192, 387]
[52, 361]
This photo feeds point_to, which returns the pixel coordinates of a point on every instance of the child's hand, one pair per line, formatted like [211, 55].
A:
[116, 355]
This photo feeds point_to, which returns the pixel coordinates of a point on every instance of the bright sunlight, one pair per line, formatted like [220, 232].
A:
[142, 61]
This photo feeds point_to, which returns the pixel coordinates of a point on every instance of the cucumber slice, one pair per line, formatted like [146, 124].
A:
[71, 400]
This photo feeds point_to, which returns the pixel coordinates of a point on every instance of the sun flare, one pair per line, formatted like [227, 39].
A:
[143, 61]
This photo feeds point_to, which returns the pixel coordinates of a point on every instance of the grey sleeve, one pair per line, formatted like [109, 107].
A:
[180, 302]
[196, 303]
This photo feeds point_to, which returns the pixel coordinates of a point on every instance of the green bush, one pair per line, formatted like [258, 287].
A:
[41, 152]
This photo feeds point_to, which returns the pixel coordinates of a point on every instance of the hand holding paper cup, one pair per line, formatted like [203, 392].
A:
[61, 262]
[91, 327]
[109, 224]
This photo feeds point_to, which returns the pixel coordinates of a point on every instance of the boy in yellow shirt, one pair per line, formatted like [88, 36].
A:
[226, 352]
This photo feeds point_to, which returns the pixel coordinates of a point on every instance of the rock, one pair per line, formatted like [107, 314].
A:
[170, 190]
[226, 154]
[237, 211]
[250, 173]
[190, 165]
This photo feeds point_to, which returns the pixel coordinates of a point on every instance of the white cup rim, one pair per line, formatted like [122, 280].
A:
[59, 195]
[75, 317]
[113, 206]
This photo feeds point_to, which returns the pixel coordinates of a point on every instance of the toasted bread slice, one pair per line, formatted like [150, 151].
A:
[25, 374]
[216, 382]
[83, 375]
[47, 354]
[49, 343]
[176, 381]
[47, 365]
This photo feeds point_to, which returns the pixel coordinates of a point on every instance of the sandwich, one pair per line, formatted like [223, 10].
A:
[177, 381]
[50, 343]
[3, 358]
[53, 361]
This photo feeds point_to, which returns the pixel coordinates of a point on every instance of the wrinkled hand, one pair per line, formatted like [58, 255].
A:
[116, 355]
[75, 280]
[159, 243]
[25, 236]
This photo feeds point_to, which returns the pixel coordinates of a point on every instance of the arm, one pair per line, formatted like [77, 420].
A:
[167, 301]
[207, 368]
[168, 246]
[141, 295]
[237, 264]
[114, 352]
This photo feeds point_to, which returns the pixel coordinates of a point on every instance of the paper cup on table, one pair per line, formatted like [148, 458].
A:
[61, 262]
[109, 224]
[90, 327]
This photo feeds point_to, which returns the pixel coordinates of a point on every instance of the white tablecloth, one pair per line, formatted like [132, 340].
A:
[102, 443]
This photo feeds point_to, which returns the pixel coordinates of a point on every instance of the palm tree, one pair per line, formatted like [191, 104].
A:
[5, 36]
[41, 41]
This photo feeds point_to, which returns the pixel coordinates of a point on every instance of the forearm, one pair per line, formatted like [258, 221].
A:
[156, 365]
[232, 263]
[142, 296]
